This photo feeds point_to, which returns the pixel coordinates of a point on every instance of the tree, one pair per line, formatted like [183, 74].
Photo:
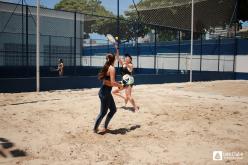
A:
[92, 23]
[84, 6]
[106, 24]
[135, 16]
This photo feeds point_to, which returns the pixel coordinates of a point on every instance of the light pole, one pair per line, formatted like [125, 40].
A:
[192, 38]
[38, 46]
[118, 25]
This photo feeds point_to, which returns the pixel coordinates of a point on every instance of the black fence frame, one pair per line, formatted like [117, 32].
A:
[25, 54]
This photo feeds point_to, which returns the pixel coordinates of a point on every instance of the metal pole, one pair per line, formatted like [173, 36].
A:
[27, 48]
[137, 45]
[75, 41]
[118, 20]
[83, 53]
[118, 26]
[71, 51]
[91, 51]
[235, 41]
[38, 46]
[137, 49]
[81, 49]
[49, 50]
[235, 54]
[22, 37]
[192, 38]
[155, 51]
[219, 53]
[179, 51]
[201, 55]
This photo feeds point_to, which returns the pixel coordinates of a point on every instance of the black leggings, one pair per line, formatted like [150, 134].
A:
[107, 102]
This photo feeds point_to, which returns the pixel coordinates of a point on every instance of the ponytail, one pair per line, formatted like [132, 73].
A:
[110, 58]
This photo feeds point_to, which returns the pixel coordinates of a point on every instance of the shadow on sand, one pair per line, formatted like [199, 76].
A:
[121, 131]
[128, 108]
[6, 149]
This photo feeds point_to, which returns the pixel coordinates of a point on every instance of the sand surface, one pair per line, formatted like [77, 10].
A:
[177, 124]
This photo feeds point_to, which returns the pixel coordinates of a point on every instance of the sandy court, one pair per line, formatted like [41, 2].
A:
[178, 123]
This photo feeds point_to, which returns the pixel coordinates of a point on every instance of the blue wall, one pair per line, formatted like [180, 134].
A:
[78, 82]
[20, 79]
[241, 76]
[208, 47]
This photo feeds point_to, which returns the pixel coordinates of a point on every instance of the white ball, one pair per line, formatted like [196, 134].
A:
[127, 79]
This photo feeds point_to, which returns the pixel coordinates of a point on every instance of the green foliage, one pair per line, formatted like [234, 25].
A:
[84, 6]
[133, 15]
[128, 29]
[93, 24]
[167, 35]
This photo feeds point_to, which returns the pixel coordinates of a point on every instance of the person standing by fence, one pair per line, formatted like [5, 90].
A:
[60, 68]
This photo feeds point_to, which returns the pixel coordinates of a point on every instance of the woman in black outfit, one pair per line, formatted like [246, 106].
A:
[127, 69]
[107, 75]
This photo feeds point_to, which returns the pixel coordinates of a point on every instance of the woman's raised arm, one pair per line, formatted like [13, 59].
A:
[118, 55]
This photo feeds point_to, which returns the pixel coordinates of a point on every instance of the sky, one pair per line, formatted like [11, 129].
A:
[244, 24]
[108, 4]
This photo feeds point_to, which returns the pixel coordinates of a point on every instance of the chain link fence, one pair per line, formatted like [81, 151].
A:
[157, 35]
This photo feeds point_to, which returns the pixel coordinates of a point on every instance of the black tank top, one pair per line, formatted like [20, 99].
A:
[124, 71]
[107, 77]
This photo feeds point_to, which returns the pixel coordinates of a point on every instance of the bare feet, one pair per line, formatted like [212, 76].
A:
[101, 131]
[136, 108]
[104, 130]
[95, 130]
